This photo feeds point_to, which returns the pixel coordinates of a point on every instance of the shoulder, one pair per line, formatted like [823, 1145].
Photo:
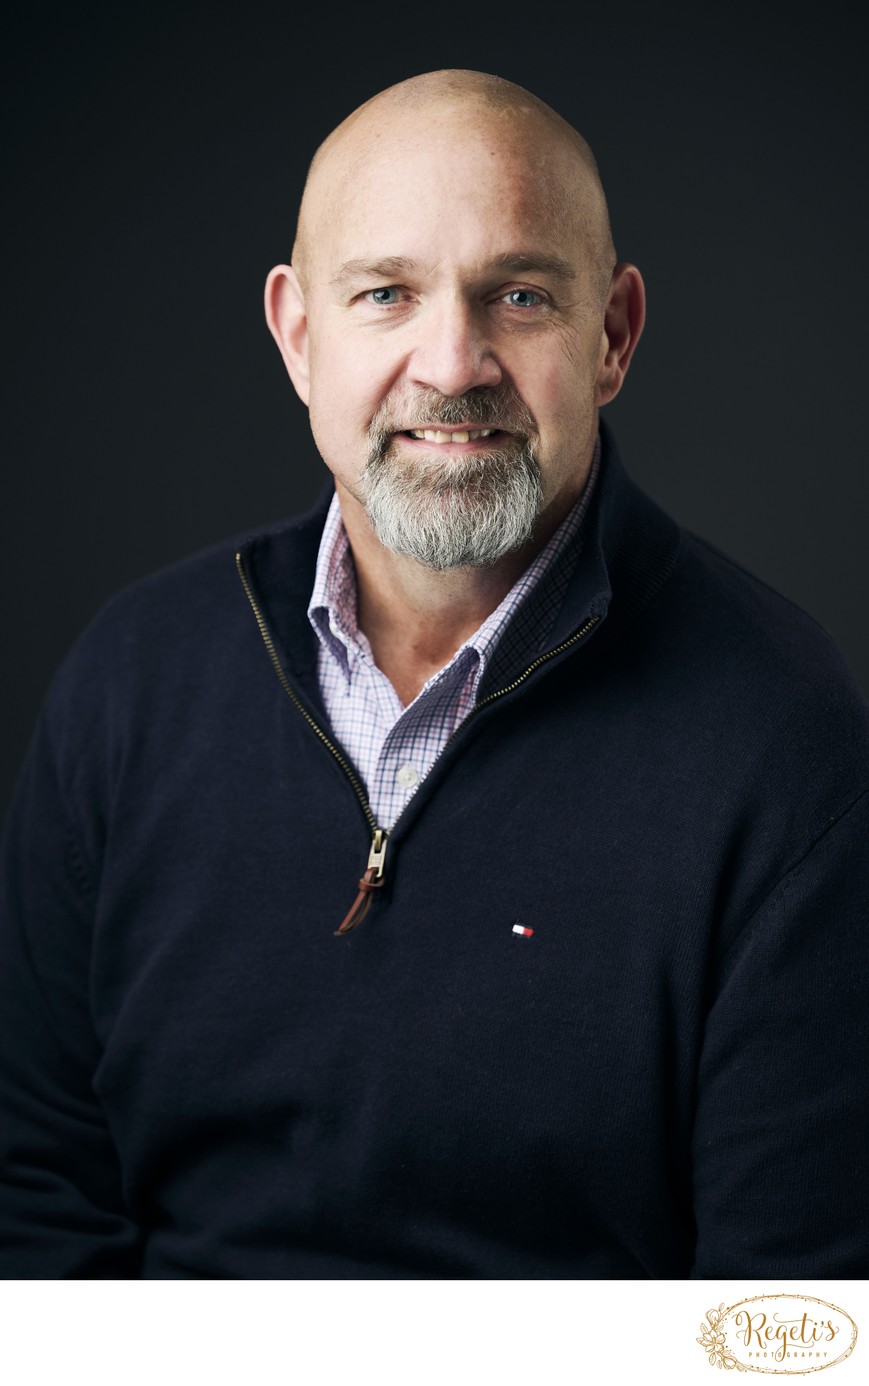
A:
[697, 628]
[714, 624]
[177, 606]
[193, 599]
[165, 639]
[751, 635]
[755, 691]
[729, 687]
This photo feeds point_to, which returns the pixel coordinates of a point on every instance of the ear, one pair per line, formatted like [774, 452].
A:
[623, 324]
[288, 324]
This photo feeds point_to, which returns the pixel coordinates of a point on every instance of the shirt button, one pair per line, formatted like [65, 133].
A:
[407, 776]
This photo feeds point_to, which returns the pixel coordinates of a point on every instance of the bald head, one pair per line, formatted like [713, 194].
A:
[453, 267]
[453, 106]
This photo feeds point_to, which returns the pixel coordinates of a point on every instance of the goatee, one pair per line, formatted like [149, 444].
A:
[463, 510]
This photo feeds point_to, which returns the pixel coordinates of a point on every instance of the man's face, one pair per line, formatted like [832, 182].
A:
[448, 292]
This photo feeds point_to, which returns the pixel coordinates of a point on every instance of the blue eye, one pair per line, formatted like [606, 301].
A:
[383, 297]
[523, 298]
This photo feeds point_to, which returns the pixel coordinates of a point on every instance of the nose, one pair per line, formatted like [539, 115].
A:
[453, 354]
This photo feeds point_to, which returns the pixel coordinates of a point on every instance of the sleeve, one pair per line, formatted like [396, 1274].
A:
[782, 1127]
[62, 1212]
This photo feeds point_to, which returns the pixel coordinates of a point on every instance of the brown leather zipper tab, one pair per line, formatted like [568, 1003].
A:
[371, 880]
[362, 904]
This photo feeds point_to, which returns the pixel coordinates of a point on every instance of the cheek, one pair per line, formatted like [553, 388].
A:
[555, 374]
[560, 397]
[345, 393]
[348, 382]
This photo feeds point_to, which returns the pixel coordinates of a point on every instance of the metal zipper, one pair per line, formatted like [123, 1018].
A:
[291, 694]
[379, 836]
[543, 659]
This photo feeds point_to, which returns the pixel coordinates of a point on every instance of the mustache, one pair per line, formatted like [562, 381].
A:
[496, 406]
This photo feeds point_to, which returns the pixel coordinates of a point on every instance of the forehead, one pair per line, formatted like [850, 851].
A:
[449, 188]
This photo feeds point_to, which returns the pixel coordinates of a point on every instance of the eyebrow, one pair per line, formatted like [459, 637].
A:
[393, 267]
[533, 263]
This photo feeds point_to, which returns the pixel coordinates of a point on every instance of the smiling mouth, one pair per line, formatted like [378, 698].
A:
[453, 435]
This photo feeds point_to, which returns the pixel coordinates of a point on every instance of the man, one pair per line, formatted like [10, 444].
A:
[469, 878]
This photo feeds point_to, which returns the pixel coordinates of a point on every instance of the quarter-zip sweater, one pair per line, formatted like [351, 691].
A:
[605, 1018]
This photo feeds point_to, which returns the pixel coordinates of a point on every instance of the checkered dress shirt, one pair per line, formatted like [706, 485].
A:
[393, 747]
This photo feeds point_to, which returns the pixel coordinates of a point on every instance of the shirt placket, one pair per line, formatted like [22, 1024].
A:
[418, 736]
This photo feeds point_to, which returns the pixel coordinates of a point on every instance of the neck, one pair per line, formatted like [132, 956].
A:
[414, 617]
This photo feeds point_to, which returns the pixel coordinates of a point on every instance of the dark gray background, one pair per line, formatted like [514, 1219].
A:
[157, 157]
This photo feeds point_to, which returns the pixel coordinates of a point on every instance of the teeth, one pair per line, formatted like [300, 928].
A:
[434, 435]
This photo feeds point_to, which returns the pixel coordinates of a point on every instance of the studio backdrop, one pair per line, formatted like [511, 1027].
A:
[157, 157]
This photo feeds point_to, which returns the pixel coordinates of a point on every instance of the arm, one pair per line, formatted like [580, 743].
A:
[781, 1142]
[62, 1210]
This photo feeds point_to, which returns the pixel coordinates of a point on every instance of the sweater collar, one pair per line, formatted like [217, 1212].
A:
[629, 549]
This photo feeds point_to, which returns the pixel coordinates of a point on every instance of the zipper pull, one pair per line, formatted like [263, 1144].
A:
[370, 881]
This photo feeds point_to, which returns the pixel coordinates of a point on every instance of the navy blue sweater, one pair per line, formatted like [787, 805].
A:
[666, 1078]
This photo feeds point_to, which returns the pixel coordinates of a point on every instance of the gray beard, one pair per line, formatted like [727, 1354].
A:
[463, 511]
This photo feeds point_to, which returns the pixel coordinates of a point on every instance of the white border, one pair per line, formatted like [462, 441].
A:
[392, 1333]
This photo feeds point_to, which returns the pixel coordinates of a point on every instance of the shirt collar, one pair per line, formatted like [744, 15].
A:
[332, 608]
